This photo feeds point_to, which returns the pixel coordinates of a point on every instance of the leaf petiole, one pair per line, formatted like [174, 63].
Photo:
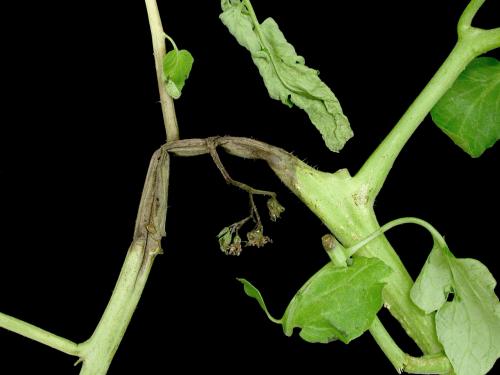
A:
[350, 251]
[171, 41]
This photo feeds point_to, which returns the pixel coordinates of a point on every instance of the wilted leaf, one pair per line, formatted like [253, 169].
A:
[285, 75]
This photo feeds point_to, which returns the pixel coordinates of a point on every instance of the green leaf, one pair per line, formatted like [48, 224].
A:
[253, 292]
[285, 75]
[177, 65]
[338, 302]
[469, 325]
[469, 113]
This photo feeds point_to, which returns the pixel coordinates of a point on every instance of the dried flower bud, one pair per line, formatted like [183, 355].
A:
[256, 237]
[225, 237]
[235, 247]
[275, 208]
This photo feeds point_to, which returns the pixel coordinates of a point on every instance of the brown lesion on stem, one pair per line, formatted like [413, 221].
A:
[152, 213]
[212, 150]
[280, 161]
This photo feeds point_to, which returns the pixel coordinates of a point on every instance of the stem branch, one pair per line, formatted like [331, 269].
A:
[159, 50]
[427, 364]
[34, 333]
[472, 42]
[212, 150]
[465, 21]
[375, 170]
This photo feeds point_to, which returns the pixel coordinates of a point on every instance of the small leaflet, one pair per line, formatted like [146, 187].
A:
[177, 65]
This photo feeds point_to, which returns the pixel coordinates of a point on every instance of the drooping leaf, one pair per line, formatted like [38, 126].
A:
[469, 113]
[253, 292]
[177, 65]
[335, 303]
[285, 74]
[468, 326]
[338, 302]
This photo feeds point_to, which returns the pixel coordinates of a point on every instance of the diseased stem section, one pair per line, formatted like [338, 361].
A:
[159, 50]
[212, 149]
[98, 352]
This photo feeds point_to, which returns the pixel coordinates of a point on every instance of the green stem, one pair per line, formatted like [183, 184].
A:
[254, 19]
[465, 21]
[98, 352]
[159, 50]
[32, 332]
[342, 206]
[335, 250]
[402, 362]
[375, 170]
[472, 42]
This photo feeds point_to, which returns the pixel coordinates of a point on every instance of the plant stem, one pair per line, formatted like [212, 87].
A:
[427, 364]
[159, 50]
[375, 170]
[465, 21]
[212, 148]
[471, 43]
[98, 352]
[32, 332]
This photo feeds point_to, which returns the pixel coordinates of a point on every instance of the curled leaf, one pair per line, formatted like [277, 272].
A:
[253, 292]
[285, 74]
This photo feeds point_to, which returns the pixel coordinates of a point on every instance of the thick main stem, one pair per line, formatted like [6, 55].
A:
[98, 352]
[159, 50]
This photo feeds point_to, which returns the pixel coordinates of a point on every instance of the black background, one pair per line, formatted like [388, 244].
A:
[80, 120]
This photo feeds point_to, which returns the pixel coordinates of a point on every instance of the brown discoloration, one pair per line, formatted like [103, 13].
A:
[281, 162]
[152, 213]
